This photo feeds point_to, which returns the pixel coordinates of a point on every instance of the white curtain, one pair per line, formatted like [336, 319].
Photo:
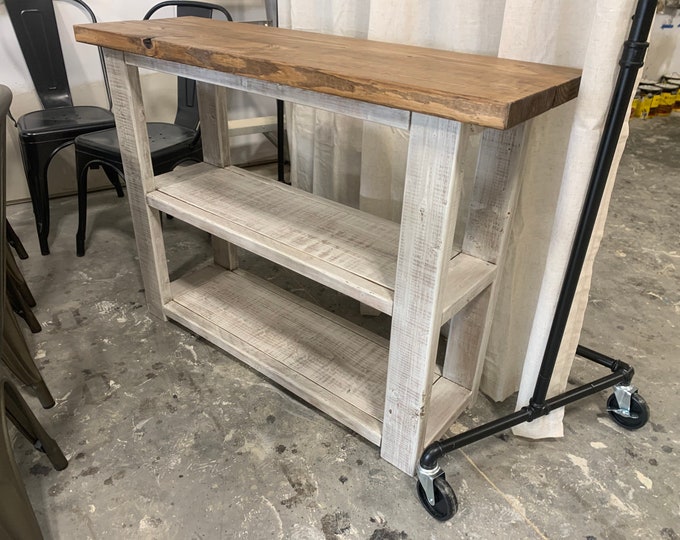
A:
[362, 164]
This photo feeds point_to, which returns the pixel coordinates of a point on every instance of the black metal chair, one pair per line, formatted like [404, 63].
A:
[43, 133]
[17, 519]
[14, 353]
[170, 144]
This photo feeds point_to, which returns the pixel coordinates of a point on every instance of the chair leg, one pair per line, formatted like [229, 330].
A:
[36, 158]
[17, 518]
[16, 356]
[23, 418]
[17, 277]
[113, 177]
[15, 241]
[21, 308]
[82, 209]
[19, 294]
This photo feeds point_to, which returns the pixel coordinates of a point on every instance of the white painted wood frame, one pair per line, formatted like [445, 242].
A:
[492, 207]
[128, 107]
[432, 193]
[214, 125]
[427, 283]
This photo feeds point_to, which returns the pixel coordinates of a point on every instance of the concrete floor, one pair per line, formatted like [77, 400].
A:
[168, 437]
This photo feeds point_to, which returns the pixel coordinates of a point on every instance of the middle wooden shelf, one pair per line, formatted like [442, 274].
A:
[343, 248]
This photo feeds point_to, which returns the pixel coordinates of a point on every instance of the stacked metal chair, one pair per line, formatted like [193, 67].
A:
[17, 518]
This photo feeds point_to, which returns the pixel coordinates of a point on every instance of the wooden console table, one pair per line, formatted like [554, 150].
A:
[392, 393]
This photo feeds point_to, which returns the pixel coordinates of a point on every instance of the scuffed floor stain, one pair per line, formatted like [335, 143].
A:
[40, 470]
[56, 489]
[90, 471]
[388, 534]
[334, 525]
[298, 479]
[149, 522]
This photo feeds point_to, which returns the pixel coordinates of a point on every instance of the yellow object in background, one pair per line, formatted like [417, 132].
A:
[649, 93]
[667, 98]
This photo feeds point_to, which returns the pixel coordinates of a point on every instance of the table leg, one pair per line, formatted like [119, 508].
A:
[212, 106]
[431, 198]
[492, 207]
[133, 138]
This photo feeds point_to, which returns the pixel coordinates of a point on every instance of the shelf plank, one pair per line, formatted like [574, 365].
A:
[345, 249]
[334, 365]
[488, 91]
[466, 278]
[447, 401]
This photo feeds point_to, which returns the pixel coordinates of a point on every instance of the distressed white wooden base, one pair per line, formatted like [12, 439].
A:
[389, 393]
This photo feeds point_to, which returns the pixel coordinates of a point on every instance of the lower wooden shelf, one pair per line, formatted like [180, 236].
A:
[337, 366]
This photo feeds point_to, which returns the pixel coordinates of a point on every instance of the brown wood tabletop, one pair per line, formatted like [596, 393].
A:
[483, 90]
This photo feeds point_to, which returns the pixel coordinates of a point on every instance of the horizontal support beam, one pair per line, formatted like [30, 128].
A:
[380, 114]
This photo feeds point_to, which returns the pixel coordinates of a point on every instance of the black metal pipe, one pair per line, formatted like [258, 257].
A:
[437, 449]
[597, 357]
[632, 59]
[621, 375]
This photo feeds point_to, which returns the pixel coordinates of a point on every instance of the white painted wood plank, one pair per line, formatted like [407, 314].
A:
[357, 109]
[465, 345]
[492, 207]
[325, 360]
[348, 283]
[318, 310]
[214, 121]
[447, 401]
[212, 107]
[349, 250]
[128, 109]
[431, 199]
[495, 192]
[313, 345]
[466, 277]
[251, 126]
[343, 236]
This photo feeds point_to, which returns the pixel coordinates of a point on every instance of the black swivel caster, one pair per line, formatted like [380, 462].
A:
[445, 502]
[636, 417]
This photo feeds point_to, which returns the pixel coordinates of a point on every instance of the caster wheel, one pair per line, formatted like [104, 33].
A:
[638, 408]
[445, 502]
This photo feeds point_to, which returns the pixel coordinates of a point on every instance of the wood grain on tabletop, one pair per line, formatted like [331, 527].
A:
[488, 91]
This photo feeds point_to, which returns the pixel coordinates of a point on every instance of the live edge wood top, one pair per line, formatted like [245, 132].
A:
[487, 91]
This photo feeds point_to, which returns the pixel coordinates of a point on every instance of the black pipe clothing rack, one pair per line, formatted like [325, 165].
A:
[625, 405]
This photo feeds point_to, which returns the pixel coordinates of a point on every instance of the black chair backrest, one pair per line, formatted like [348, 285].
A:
[35, 26]
[187, 104]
